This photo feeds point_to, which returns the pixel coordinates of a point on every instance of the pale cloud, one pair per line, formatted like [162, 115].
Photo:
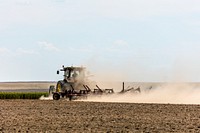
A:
[118, 47]
[134, 9]
[25, 51]
[16, 52]
[23, 2]
[120, 43]
[4, 51]
[193, 22]
[84, 49]
[26, 12]
[36, 12]
[48, 46]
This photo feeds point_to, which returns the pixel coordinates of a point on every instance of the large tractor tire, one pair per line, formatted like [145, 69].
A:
[56, 96]
[59, 86]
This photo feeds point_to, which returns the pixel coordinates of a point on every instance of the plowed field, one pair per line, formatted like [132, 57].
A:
[64, 116]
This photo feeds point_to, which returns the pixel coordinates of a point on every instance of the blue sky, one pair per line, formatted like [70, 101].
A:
[132, 40]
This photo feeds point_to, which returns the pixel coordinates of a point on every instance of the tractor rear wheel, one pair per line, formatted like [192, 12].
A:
[56, 96]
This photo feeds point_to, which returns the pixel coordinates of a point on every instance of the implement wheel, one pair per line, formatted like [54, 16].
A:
[70, 98]
[56, 96]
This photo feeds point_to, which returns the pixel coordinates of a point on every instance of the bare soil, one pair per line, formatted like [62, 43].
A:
[48, 116]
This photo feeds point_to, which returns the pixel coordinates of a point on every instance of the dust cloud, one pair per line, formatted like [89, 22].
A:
[164, 93]
[173, 84]
[50, 97]
[172, 93]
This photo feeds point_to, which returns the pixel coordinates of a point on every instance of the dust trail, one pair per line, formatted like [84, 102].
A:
[179, 93]
[50, 97]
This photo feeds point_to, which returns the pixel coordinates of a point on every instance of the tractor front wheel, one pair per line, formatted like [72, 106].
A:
[56, 96]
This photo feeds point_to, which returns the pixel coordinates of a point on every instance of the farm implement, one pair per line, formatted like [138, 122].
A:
[76, 85]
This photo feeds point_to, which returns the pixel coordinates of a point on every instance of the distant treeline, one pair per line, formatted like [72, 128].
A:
[22, 95]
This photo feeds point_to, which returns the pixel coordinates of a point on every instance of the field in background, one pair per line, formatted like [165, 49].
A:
[25, 86]
[117, 86]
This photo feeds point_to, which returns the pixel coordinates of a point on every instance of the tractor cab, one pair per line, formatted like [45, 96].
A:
[72, 84]
[73, 74]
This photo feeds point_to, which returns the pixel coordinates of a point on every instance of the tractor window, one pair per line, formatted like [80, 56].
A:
[67, 73]
[75, 74]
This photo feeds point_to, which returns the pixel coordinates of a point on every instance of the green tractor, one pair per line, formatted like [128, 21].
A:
[73, 85]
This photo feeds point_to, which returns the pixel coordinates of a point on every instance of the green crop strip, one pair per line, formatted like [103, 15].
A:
[22, 95]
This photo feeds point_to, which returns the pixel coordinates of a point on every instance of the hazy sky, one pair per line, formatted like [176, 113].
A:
[135, 40]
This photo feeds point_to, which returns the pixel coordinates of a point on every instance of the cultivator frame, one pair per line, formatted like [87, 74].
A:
[72, 94]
